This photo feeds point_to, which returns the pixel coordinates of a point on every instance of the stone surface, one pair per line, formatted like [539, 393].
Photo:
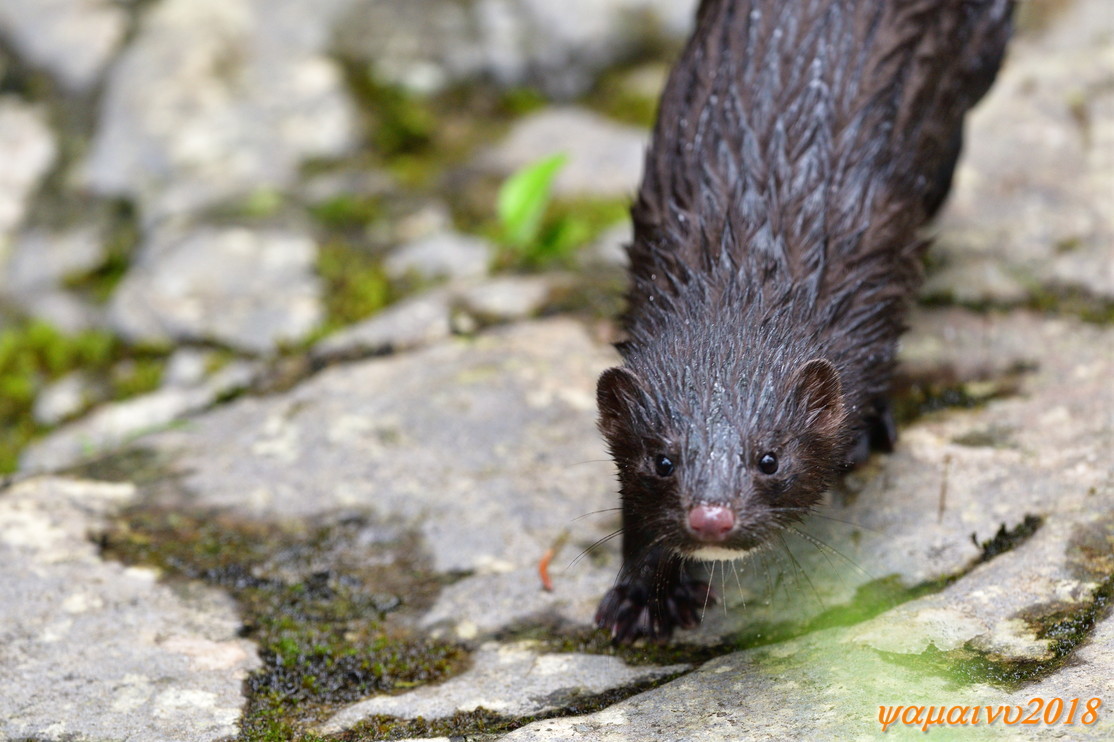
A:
[412, 322]
[217, 99]
[40, 259]
[95, 650]
[509, 679]
[604, 158]
[487, 446]
[507, 298]
[441, 255]
[73, 39]
[429, 44]
[1039, 220]
[112, 425]
[63, 398]
[27, 149]
[250, 289]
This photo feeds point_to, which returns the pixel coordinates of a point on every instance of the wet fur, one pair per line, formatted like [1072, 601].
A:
[799, 148]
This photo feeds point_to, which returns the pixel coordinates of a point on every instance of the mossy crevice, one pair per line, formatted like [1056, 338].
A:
[327, 602]
[917, 394]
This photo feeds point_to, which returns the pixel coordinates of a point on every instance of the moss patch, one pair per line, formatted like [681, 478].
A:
[355, 284]
[917, 395]
[323, 601]
[33, 354]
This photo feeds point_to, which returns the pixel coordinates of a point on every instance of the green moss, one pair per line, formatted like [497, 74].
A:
[347, 211]
[33, 354]
[327, 635]
[1007, 539]
[355, 284]
[916, 396]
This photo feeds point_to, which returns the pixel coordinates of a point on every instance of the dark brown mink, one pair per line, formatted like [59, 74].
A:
[799, 148]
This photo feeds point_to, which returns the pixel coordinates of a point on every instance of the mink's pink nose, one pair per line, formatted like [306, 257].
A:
[711, 522]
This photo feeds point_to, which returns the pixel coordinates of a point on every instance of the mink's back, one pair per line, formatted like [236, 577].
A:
[799, 147]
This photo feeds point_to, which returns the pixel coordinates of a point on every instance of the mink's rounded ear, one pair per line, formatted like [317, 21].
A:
[820, 395]
[618, 394]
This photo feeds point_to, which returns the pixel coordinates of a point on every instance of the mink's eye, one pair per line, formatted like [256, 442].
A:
[767, 464]
[663, 465]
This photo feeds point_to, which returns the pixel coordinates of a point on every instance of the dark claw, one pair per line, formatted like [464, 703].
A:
[629, 612]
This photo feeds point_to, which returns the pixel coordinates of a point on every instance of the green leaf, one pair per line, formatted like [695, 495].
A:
[523, 198]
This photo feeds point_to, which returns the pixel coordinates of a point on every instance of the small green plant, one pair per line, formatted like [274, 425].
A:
[523, 199]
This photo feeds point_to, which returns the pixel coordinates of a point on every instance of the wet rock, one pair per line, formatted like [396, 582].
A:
[1042, 220]
[507, 298]
[560, 48]
[604, 158]
[94, 649]
[27, 149]
[217, 99]
[513, 680]
[73, 39]
[416, 321]
[250, 289]
[444, 255]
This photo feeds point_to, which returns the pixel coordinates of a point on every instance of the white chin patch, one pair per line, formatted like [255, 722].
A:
[718, 554]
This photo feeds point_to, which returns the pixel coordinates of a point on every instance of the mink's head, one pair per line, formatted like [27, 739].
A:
[711, 463]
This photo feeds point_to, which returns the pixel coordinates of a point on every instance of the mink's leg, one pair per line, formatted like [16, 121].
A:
[654, 593]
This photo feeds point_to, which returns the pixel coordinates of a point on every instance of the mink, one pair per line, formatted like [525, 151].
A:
[800, 147]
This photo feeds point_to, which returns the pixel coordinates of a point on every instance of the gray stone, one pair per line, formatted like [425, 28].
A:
[443, 255]
[509, 679]
[412, 322]
[217, 99]
[486, 446]
[96, 650]
[507, 298]
[40, 259]
[74, 39]
[115, 424]
[250, 289]
[1041, 218]
[429, 44]
[63, 398]
[27, 149]
[186, 367]
[604, 158]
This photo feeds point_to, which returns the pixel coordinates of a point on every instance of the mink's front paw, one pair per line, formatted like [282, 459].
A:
[630, 610]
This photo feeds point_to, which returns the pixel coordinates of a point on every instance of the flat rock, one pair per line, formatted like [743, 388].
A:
[823, 686]
[486, 446]
[442, 255]
[248, 288]
[604, 158]
[217, 99]
[95, 650]
[560, 48]
[74, 39]
[1042, 219]
[509, 679]
[27, 149]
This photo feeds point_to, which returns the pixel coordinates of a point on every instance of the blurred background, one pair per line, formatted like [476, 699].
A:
[191, 190]
[201, 197]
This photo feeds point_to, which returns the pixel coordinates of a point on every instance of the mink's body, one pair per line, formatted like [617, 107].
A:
[800, 146]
